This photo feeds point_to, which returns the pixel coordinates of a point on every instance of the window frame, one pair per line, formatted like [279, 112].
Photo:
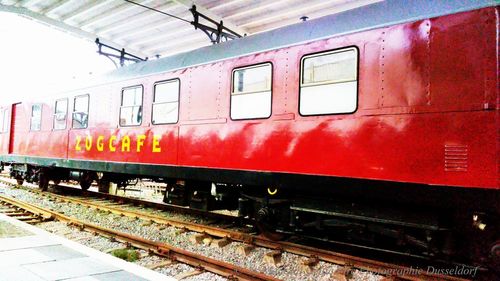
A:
[65, 116]
[73, 111]
[178, 100]
[316, 54]
[121, 105]
[31, 117]
[231, 89]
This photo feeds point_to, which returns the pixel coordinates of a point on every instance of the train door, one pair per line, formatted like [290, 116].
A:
[16, 110]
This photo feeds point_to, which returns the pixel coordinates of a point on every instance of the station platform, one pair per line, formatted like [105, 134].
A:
[28, 253]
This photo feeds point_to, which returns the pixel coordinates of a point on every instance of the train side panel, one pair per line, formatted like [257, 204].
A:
[20, 132]
[411, 125]
[104, 140]
[29, 142]
[426, 113]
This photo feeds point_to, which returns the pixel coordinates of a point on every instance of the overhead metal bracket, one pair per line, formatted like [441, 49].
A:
[216, 34]
[120, 55]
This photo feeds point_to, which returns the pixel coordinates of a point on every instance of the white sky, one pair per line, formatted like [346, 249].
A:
[37, 60]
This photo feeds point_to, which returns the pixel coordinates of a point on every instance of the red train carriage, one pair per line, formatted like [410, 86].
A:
[380, 122]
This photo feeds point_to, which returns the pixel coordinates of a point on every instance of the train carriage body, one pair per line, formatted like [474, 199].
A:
[415, 122]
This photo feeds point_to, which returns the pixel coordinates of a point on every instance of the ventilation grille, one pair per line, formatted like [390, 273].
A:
[455, 158]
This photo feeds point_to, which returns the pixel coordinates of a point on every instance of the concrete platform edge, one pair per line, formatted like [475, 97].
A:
[92, 253]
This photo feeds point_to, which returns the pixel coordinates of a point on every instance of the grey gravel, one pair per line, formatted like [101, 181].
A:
[206, 276]
[148, 261]
[175, 269]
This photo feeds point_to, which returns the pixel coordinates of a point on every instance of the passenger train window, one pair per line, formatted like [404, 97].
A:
[131, 106]
[251, 92]
[329, 82]
[60, 114]
[81, 112]
[166, 102]
[36, 117]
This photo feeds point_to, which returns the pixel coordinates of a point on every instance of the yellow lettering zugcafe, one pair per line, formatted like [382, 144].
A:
[114, 143]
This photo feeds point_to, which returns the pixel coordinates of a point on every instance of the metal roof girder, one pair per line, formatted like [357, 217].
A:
[230, 25]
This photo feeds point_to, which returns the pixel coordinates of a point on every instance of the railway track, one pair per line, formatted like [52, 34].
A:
[76, 190]
[312, 255]
[19, 212]
[227, 270]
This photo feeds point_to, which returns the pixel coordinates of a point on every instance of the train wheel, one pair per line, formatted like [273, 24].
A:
[266, 223]
[20, 181]
[43, 182]
[56, 182]
[86, 180]
[495, 256]
[85, 185]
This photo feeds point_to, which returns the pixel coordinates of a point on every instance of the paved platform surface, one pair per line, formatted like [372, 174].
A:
[31, 254]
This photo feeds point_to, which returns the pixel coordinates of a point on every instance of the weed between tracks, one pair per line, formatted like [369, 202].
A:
[129, 255]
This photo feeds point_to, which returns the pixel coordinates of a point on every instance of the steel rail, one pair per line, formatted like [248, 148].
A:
[302, 250]
[156, 205]
[22, 214]
[135, 201]
[225, 269]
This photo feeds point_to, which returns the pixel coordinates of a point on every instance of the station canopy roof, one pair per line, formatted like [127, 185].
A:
[149, 28]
